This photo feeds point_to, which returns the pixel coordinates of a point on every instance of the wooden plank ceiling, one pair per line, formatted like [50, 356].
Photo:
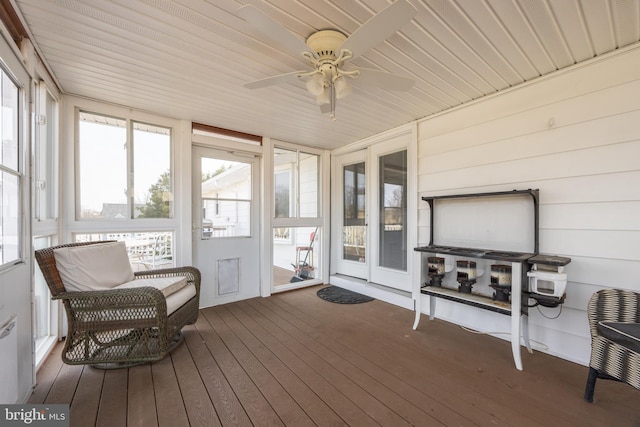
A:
[189, 59]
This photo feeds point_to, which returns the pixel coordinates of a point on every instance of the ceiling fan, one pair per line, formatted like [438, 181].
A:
[329, 51]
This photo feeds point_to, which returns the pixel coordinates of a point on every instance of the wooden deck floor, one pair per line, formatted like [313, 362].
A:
[296, 360]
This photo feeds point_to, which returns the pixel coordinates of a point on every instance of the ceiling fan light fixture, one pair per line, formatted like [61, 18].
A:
[343, 88]
[315, 85]
[323, 98]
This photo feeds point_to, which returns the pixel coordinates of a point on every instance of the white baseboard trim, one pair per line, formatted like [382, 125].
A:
[374, 290]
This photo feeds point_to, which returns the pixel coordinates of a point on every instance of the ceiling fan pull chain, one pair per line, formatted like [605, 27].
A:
[332, 97]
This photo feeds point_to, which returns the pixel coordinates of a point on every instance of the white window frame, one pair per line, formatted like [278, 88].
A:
[180, 131]
[46, 180]
[295, 221]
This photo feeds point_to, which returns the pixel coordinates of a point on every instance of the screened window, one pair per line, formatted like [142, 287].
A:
[296, 184]
[122, 177]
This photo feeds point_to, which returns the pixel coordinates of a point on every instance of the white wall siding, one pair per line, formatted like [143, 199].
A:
[575, 136]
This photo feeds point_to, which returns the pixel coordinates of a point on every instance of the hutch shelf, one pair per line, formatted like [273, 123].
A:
[515, 306]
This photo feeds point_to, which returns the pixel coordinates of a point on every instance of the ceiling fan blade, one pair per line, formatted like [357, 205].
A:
[325, 108]
[378, 28]
[272, 31]
[274, 80]
[383, 80]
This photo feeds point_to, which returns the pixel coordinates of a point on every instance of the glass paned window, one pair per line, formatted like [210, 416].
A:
[147, 250]
[226, 198]
[9, 173]
[283, 194]
[42, 296]
[296, 184]
[354, 228]
[9, 217]
[296, 258]
[309, 185]
[122, 179]
[284, 172]
[9, 123]
[393, 211]
[102, 155]
[152, 171]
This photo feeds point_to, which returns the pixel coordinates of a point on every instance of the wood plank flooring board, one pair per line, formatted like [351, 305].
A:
[429, 403]
[254, 403]
[570, 380]
[509, 379]
[528, 402]
[440, 400]
[46, 375]
[403, 363]
[169, 404]
[227, 406]
[282, 403]
[141, 403]
[293, 359]
[113, 401]
[504, 405]
[243, 340]
[340, 403]
[196, 400]
[343, 379]
[65, 385]
[350, 389]
[86, 400]
[398, 403]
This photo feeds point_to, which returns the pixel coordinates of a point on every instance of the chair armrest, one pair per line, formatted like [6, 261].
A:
[626, 334]
[612, 305]
[116, 308]
[191, 273]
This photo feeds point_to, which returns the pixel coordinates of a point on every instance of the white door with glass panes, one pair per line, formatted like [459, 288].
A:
[226, 244]
[373, 233]
[350, 215]
[389, 225]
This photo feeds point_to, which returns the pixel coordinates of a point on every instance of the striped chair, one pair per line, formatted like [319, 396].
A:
[614, 323]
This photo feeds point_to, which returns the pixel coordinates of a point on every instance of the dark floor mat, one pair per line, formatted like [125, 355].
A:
[342, 296]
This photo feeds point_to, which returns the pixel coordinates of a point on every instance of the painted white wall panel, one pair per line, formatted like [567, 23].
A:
[622, 245]
[518, 173]
[620, 216]
[575, 137]
[609, 130]
[575, 110]
[596, 188]
[604, 272]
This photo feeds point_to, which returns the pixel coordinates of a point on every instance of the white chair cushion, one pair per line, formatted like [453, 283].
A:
[167, 285]
[93, 267]
[177, 299]
[176, 290]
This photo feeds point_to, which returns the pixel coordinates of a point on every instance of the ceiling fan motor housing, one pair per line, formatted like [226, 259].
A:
[326, 42]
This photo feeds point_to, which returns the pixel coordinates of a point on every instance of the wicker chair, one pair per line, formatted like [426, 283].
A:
[614, 322]
[120, 327]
